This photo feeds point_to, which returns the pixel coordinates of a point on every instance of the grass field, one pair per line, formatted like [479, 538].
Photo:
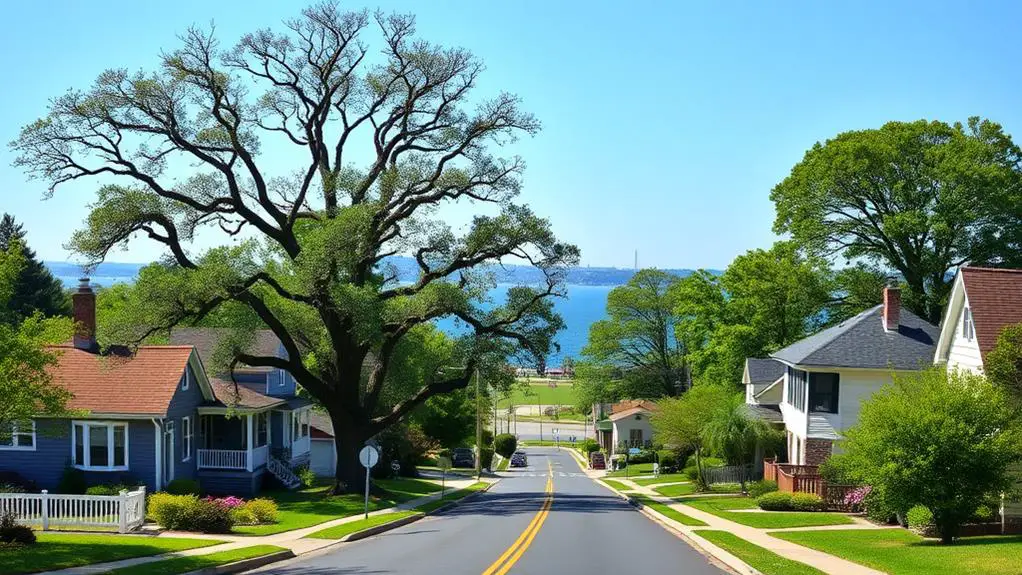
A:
[763, 560]
[724, 507]
[617, 485]
[177, 565]
[676, 490]
[633, 470]
[668, 511]
[536, 394]
[663, 478]
[901, 552]
[63, 550]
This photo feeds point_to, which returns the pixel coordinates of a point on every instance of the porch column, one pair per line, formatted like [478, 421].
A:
[248, 430]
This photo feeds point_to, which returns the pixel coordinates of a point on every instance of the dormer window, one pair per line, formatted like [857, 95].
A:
[186, 381]
[968, 327]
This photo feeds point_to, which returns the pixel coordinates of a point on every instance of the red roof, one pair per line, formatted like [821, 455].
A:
[139, 383]
[631, 404]
[995, 299]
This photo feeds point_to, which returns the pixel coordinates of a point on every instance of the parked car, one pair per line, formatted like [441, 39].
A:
[519, 459]
[463, 457]
[597, 460]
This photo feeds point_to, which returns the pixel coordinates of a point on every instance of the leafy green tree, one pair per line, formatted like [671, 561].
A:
[679, 422]
[732, 432]
[855, 288]
[920, 197]
[315, 163]
[638, 335]
[1003, 365]
[35, 288]
[26, 388]
[943, 441]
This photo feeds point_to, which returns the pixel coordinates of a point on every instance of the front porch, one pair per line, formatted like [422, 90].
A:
[249, 441]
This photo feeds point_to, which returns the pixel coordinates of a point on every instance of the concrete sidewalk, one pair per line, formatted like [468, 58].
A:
[761, 537]
[293, 540]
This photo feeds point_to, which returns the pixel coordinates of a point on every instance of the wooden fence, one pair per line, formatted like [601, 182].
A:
[123, 512]
[806, 479]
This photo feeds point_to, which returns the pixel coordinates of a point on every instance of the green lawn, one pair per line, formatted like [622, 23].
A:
[354, 526]
[724, 506]
[632, 470]
[617, 485]
[63, 550]
[665, 478]
[536, 394]
[763, 560]
[311, 506]
[431, 506]
[668, 511]
[177, 565]
[901, 552]
[406, 489]
[676, 490]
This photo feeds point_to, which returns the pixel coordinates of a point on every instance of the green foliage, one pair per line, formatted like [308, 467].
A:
[108, 489]
[909, 432]
[762, 487]
[448, 419]
[72, 481]
[35, 290]
[255, 512]
[667, 459]
[486, 458]
[1003, 364]
[189, 513]
[11, 532]
[732, 432]
[183, 487]
[919, 519]
[588, 446]
[306, 476]
[919, 197]
[505, 444]
[806, 502]
[406, 443]
[775, 501]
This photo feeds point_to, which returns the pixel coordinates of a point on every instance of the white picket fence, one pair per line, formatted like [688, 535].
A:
[123, 512]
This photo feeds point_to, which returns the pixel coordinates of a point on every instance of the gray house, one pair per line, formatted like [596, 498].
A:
[152, 415]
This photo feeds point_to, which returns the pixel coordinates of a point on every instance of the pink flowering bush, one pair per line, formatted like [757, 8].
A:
[229, 502]
[857, 497]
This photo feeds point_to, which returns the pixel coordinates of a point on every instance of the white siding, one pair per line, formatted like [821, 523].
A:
[964, 353]
[855, 387]
[322, 459]
[795, 421]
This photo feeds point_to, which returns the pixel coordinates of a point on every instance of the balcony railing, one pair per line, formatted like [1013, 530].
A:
[233, 458]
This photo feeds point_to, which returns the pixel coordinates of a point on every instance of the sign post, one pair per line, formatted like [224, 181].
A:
[631, 451]
[444, 463]
[557, 440]
[368, 457]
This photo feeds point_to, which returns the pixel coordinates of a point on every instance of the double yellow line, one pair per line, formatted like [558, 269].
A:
[506, 561]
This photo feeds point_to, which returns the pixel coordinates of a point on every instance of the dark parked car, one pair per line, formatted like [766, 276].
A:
[463, 457]
[519, 459]
[597, 460]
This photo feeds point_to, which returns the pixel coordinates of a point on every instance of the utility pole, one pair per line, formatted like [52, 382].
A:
[539, 398]
[479, 430]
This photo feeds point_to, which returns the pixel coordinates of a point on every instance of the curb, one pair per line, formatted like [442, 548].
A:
[376, 530]
[245, 564]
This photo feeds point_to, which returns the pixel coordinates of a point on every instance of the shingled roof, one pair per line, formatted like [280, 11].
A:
[763, 370]
[995, 300]
[205, 340]
[861, 342]
[140, 382]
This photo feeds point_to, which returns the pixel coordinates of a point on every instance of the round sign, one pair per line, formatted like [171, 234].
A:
[368, 457]
[395, 465]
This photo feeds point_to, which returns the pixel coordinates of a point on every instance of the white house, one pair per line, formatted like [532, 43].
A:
[982, 302]
[829, 374]
[630, 428]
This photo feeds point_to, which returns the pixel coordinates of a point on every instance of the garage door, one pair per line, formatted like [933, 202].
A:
[322, 457]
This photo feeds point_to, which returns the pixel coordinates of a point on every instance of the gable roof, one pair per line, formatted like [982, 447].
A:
[631, 404]
[239, 396]
[124, 382]
[995, 300]
[628, 412]
[322, 427]
[861, 342]
[205, 340]
[763, 370]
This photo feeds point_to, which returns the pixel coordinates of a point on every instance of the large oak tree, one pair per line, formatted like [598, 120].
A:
[317, 158]
[920, 197]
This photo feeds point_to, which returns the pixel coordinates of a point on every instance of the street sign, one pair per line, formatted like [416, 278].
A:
[395, 466]
[634, 451]
[368, 457]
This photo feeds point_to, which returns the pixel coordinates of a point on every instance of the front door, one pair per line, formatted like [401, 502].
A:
[168, 452]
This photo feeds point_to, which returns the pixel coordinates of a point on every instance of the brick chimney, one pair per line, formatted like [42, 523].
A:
[892, 308]
[83, 311]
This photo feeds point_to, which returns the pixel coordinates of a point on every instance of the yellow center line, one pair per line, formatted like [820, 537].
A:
[507, 560]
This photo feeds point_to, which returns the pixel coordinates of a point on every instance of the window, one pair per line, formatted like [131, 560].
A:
[796, 388]
[635, 437]
[186, 438]
[300, 424]
[823, 392]
[18, 435]
[186, 381]
[99, 445]
[968, 328]
[281, 378]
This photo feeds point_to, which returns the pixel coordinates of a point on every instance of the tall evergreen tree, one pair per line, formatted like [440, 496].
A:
[35, 288]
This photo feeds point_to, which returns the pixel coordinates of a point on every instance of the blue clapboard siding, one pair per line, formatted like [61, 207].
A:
[182, 404]
[240, 483]
[277, 430]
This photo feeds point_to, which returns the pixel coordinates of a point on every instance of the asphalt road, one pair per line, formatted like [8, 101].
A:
[546, 519]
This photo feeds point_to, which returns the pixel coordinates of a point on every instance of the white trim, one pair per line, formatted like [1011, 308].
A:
[282, 379]
[158, 434]
[947, 325]
[248, 431]
[187, 379]
[187, 435]
[87, 426]
[769, 387]
[168, 430]
[15, 432]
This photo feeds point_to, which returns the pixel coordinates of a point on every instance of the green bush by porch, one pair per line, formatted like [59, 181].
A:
[901, 552]
[62, 550]
[763, 560]
[177, 565]
[724, 507]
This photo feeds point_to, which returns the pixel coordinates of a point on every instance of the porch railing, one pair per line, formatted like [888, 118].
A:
[124, 512]
[792, 478]
[223, 459]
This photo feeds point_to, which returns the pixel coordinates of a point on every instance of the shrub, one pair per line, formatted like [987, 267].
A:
[758, 488]
[879, 508]
[230, 502]
[183, 487]
[589, 445]
[920, 519]
[11, 488]
[13, 482]
[108, 489]
[692, 473]
[806, 502]
[171, 511]
[306, 476]
[487, 437]
[12, 532]
[984, 514]
[264, 510]
[72, 482]
[505, 444]
[209, 517]
[776, 501]
[486, 458]
[644, 456]
[243, 516]
[667, 460]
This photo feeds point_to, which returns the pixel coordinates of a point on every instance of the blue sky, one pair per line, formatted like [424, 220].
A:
[666, 124]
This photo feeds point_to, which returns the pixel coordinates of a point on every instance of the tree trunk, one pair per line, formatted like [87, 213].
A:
[350, 476]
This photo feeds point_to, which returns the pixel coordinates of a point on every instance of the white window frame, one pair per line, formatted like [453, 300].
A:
[281, 379]
[87, 426]
[186, 437]
[968, 326]
[15, 432]
[186, 382]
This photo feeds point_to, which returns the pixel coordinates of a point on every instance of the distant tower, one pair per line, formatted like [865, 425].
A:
[636, 262]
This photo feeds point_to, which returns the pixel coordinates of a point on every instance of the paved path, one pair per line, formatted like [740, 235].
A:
[585, 528]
